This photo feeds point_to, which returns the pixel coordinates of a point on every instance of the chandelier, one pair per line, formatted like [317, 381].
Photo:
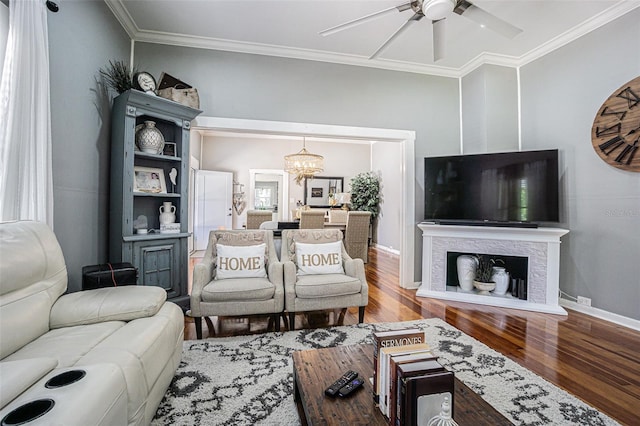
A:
[303, 164]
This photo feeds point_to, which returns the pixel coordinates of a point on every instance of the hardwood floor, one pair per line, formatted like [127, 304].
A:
[595, 360]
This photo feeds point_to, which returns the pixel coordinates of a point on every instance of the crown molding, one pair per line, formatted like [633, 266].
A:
[486, 58]
[289, 52]
[136, 34]
[122, 15]
[619, 9]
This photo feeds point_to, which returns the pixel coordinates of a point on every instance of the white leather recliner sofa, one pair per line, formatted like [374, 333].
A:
[98, 357]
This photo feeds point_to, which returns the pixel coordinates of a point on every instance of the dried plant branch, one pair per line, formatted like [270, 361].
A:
[118, 76]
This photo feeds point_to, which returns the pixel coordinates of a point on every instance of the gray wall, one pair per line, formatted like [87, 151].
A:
[561, 94]
[490, 110]
[258, 87]
[83, 37]
[386, 161]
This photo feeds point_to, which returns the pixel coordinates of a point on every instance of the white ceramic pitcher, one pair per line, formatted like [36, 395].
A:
[167, 213]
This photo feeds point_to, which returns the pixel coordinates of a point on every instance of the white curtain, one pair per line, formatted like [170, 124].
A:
[26, 187]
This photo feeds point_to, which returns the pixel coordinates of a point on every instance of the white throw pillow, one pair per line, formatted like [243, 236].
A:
[315, 259]
[240, 261]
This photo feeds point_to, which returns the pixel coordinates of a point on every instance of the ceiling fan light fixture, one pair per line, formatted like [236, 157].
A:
[437, 9]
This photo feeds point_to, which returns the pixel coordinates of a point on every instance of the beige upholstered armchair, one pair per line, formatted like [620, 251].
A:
[356, 235]
[256, 217]
[319, 274]
[312, 219]
[239, 275]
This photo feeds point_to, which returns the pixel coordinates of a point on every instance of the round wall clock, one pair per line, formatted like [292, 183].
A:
[144, 81]
[615, 134]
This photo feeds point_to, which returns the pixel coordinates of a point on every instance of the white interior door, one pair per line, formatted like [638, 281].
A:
[213, 204]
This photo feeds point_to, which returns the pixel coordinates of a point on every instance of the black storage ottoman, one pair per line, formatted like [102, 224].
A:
[108, 275]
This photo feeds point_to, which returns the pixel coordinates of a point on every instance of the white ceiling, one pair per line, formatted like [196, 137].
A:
[289, 28]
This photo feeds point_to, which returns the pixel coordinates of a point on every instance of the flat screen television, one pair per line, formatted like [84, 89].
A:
[500, 189]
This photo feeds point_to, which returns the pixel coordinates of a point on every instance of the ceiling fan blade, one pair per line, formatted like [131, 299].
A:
[438, 28]
[364, 19]
[486, 19]
[415, 18]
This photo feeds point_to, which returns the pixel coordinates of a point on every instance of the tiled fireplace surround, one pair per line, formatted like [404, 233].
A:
[540, 246]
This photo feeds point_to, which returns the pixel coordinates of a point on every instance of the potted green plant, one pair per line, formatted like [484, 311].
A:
[365, 193]
[365, 196]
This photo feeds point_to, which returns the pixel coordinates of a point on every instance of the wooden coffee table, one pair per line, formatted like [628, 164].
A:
[315, 370]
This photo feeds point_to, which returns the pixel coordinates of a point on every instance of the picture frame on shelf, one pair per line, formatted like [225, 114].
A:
[169, 149]
[149, 180]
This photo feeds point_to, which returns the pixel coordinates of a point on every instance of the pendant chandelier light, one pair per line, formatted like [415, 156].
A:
[303, 164]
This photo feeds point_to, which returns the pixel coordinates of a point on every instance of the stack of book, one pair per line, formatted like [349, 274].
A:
[405, 370]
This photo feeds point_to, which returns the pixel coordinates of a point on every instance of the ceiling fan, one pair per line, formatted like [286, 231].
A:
[437, 11]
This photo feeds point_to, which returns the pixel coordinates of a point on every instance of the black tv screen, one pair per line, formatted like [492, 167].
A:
[501, 188]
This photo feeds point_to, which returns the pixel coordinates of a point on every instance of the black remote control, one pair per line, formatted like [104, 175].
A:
[351, 387]
[338, 384]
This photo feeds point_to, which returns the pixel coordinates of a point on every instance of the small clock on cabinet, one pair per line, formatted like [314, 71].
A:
[144, 81]
[615, 134]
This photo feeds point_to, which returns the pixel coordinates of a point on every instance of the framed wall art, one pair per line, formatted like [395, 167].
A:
[169, 149]
[318, 190]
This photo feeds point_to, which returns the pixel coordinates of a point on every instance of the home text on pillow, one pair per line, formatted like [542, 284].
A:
[240, 261]
[322, 258]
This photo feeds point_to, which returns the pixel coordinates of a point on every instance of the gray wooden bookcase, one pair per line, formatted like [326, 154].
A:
[161, 259]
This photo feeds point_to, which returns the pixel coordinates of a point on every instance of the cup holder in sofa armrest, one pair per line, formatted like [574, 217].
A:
[28, 412]
[64, 379]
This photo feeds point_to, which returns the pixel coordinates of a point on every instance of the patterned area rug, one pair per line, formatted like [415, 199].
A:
[247, 380]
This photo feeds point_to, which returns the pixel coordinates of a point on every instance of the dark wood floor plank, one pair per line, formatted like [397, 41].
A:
[595, 360]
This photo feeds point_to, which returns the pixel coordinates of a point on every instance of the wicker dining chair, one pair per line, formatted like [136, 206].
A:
[356, 235]
[312, 219]
[256, 217]
[338, 216]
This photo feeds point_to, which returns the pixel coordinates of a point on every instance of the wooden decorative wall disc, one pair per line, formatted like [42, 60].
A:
[616, 129]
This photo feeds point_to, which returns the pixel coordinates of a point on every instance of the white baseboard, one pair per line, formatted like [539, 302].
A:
[602, 314]
[387, 249]
[415, 286]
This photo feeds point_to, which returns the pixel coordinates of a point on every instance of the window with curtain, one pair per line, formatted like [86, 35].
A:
[4, 33]
[26, 184]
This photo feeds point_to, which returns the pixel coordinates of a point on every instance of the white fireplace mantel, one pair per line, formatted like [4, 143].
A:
[541, 246]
